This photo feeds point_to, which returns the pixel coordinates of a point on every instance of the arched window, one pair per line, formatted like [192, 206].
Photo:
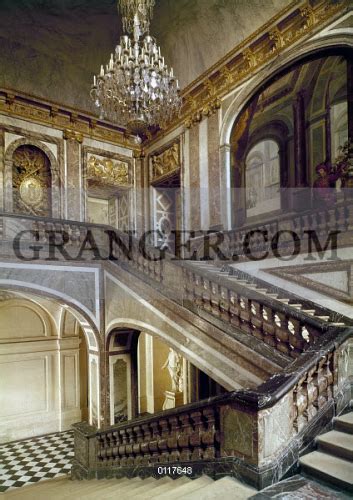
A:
[339, 127]
[262, 179]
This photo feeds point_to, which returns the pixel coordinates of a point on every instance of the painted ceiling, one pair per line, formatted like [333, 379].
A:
[52, 48]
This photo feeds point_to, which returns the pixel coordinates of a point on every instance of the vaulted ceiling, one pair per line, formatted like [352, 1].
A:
[52, 48]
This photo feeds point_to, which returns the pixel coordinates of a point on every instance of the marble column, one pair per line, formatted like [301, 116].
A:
[214, 178]
[74, 192]
[225, 187]
[2, 168]
[140, 185]
[194, 175]
[299, 140]
[300, 198]
[350, 98]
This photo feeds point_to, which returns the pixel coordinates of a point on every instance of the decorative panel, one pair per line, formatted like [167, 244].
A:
[108, 171]
[166, 163]
[31, 181]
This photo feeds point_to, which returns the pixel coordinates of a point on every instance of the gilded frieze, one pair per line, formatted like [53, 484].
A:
[167, 162]
[108, 171]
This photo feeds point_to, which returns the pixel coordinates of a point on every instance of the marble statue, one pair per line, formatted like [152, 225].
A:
[174, 365]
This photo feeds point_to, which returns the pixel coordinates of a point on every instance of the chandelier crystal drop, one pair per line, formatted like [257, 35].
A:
[136, 89]
[144, 9]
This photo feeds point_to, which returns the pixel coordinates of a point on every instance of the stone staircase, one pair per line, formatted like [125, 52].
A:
[333, 460]
[277, 295]
[203, 488]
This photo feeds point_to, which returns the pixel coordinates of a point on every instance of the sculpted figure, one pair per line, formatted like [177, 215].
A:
[174, 365]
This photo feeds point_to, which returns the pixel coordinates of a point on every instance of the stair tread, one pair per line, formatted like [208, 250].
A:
[331, 466]
[193, 485]
[337, 438]
[228, 488]
[346, 419]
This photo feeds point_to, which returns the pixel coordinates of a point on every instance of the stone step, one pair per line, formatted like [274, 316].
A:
[160, 487]
[328, 468]
[114, 489]
[226, 488]
[344, 423]
[336, 443]
[191, 486]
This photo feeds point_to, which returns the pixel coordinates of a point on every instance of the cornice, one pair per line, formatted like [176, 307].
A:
[73, 123]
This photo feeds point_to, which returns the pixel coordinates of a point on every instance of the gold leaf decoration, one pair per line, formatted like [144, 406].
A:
[107, 171]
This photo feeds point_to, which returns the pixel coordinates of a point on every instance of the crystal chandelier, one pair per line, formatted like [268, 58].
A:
[136, 89]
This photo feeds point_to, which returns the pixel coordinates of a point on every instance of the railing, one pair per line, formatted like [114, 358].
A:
[242, 433]
[322, 221]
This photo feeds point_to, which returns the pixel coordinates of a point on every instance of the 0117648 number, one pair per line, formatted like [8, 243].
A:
[174, 470]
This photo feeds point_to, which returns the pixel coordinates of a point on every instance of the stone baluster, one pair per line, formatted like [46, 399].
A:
[145, 449]
[215, 299]
[224, 304]
[310, 384]
[183, 439]
[163, 441]
[195, 436]
[122, 447]
[153, 445]
[234, 308]
[209, 435]
[206, 295]
[172, 441]
[257, 320]
[269, 326]
[136, 448]
[300, 400]
[130, 447]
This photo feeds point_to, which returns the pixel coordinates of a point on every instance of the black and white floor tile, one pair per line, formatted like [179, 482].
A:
[32, 460]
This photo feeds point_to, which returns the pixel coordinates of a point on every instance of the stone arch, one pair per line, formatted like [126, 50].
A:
[78, 310]
[91, 334]
[183, 349]
[54, 167]
[312, 48]
[281, 64]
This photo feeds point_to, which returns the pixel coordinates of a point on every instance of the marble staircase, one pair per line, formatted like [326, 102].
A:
[333, 460]
[203, 488]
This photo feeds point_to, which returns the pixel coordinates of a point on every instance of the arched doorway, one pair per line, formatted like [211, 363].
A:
[148, 376]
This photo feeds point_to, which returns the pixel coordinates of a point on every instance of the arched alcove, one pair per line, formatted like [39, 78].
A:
[31, 179]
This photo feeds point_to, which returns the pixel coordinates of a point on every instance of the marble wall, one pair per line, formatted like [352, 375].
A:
[39, 369]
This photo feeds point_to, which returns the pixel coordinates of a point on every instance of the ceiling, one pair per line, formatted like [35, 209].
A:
[52, 48]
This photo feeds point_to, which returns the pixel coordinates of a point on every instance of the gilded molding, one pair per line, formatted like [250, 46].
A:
[72, 135]
[54, 115]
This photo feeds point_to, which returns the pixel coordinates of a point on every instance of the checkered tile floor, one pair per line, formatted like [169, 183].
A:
[27, 462]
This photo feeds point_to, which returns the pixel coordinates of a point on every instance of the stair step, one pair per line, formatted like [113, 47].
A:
[226, 488]
[193, 485]
[114, 489]
[161, 487]
[337, 443]
[311, 312]
[344, 423]
[329, 468]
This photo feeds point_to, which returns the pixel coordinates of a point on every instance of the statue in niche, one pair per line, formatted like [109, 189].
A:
[175, 369]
